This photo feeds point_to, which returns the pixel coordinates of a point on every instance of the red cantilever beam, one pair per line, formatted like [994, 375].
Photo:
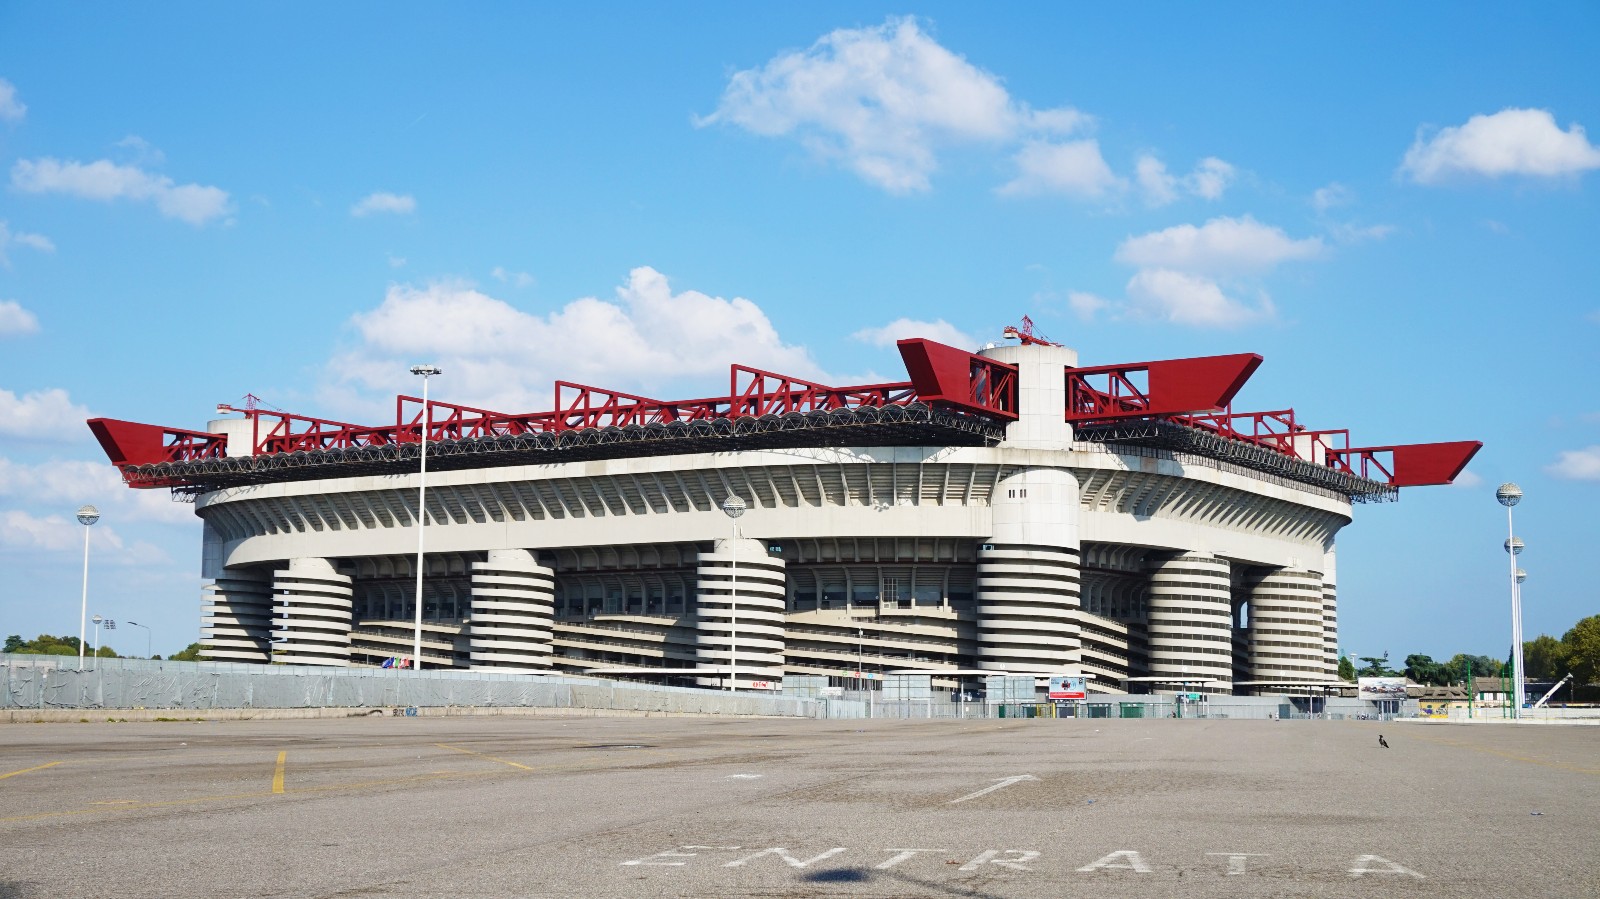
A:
[1173, 387]
[955, 377]
[1419, 464]
[132, 443]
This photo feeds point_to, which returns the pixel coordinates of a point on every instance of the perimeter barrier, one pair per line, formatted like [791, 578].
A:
[55, 682]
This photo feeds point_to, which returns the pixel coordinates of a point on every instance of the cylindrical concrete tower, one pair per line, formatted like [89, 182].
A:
[739, 615]
[513, 602]
[1286, 629]
[237, 619]
[1191, 621]
[314, 611]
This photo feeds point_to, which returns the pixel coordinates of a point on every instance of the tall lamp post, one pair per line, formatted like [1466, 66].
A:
[1509, 495]
[87, 515]
[426, 371]
[146, 635]
[733, 507]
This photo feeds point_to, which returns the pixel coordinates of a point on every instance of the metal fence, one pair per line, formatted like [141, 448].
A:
[55, 683]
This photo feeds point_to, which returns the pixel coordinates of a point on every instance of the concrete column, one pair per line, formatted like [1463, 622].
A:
[315, 611]
[513, 604]
[1191, 620]
[1041, 394]
[236, 616]
[1330, 615]
[751, 635]
[1027, 588]
[1286, 638]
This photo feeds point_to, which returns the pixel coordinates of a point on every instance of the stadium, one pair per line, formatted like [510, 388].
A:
[1005, 511]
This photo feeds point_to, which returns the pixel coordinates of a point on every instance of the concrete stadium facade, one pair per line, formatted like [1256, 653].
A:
[1035, 551]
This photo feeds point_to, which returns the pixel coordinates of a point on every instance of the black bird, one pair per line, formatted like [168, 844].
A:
[1382, 742]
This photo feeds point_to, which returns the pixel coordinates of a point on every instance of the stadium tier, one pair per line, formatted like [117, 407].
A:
[1004, 511]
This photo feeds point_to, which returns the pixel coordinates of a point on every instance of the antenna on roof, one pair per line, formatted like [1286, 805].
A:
[1026, 334]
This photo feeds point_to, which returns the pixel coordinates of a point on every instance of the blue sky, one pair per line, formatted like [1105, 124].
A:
[1395, 205]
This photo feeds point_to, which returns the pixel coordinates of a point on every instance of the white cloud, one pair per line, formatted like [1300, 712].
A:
[939, 331]
[1086, 305]
[519, 279]
[1074, 168]
[105, 180]
[142, 151]
[384, 202]
[70, 483]
[1347, 233]
[42, 415]
[497, 356]
[1578, 465]
[1335, 194]
[1186, 299]
[20, 530]
[1467, 479]
[9, 238]
[397, 261]
[1222, 245]
[1509, 142]
[11, 109]
[1209, 180]
[15, 320]
[1159, 187]
[881, 100]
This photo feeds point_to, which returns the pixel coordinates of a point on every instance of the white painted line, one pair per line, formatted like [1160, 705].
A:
[1363, 862]
[1236, 859]
[744, 776]
[784, 854]
[901, 855]
[1004, 782]
[989, 858]
[1122, 858]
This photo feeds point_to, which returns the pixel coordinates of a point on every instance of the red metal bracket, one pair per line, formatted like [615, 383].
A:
[1167, 387]
[1412, 465]
[954, 377]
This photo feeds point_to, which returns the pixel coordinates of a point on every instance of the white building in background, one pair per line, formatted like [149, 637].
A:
[1007, 511]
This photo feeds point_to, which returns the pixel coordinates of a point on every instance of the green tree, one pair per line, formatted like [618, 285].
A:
[190, 653]
[1377, 666]
[1544, 657]
[47, 645]
[1424, 670]
[14, 643]
[1581, 647]
[1482, 666]
[1347, 669]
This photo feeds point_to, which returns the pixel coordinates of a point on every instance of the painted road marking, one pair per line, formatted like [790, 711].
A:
[484, 756]
[277, 774]
[1004, 782]
[1236, 860]
[784, 854]
[26, 770]
[1363, 863]
[1027, 861]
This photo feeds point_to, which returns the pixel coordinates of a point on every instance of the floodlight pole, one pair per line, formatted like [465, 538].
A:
[1509, 495]
[426, 371]
[87, 516]
[733, 507]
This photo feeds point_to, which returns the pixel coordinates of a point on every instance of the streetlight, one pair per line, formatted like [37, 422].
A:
[87, 515]
[146, 636]
[1509, 495]
[733, 507]
[858, 658]
[426, 371]
[110, 624]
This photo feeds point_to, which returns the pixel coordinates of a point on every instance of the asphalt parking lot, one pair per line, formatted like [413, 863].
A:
[610, 807]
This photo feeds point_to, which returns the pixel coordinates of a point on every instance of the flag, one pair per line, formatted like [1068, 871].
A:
[388, 663]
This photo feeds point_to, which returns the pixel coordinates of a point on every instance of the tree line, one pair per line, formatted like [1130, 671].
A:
[1544, 657]
[50, 645]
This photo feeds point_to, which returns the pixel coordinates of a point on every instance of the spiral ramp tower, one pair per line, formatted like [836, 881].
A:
[314, 610]
[740, 604]
[513, 600]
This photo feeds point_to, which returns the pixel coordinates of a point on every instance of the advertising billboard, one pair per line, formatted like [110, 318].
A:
[1066, 686]
[1380, 688]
